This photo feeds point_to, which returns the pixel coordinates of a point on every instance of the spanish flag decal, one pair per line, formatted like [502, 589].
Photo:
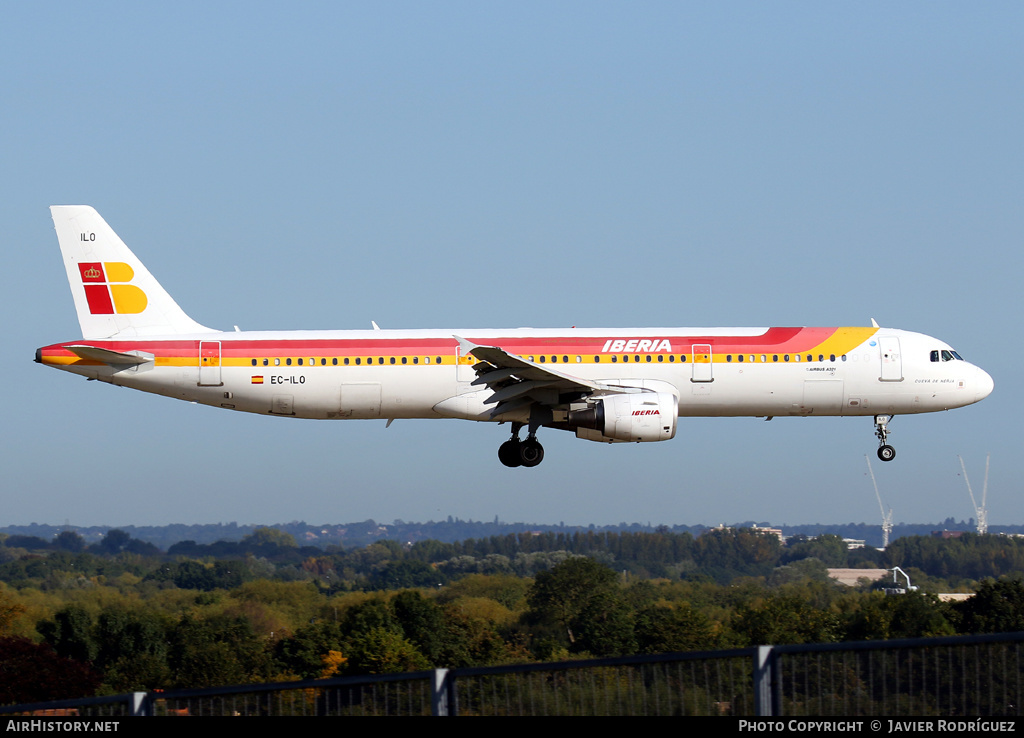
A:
[257, 380]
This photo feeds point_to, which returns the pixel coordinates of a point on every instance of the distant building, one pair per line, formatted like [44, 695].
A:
[758, 529]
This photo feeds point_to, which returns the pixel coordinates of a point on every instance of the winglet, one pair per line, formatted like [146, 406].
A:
[465, 347]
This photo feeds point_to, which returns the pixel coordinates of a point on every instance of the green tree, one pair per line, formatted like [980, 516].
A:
[68, 540]
[563, 593]
[828, 548]
[269, 539]
[10, 611]
[785, 617]
[423, 623]
[383, 651]
[113, 542]
[71, 632]
[664, 629]
[302, 654]
[221, 649]
[997, 607]
[605, 624]
[909, 615]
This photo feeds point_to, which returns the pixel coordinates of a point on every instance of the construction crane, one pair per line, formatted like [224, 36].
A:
[980, 513]
[896, 589]
[886, 517]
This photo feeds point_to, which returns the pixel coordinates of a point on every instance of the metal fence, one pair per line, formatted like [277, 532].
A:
[957, 676]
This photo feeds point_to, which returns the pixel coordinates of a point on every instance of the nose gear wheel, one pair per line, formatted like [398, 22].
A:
[885, 451]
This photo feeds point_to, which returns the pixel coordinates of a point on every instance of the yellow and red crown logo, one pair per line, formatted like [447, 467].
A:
[107, 291]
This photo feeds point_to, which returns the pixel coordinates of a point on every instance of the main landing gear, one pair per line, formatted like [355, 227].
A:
[514, 452]
[885, 451]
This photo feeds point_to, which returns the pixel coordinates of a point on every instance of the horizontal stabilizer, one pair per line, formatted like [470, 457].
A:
[106, 356]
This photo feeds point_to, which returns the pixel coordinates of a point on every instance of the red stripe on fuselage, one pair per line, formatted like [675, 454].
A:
[782, 340]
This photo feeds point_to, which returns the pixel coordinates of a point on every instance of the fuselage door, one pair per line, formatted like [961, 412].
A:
[892, 362]
[702, 363]
[209, 364]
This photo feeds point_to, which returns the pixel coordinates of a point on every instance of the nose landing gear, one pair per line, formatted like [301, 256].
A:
[885, 451]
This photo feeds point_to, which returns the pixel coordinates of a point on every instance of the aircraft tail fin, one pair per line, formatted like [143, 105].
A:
[115, 295]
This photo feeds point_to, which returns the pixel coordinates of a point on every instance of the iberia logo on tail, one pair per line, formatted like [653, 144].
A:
[107, 290]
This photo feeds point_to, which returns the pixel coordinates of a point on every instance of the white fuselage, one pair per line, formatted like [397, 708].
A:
[421, 374]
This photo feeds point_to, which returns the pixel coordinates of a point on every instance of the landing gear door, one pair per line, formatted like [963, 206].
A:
[702, 363]
[892, 362]
[209, 364]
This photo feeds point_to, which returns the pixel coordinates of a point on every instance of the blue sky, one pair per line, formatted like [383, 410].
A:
[431, 165]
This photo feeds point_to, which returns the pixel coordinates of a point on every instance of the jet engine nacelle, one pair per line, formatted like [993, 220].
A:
[630, 417]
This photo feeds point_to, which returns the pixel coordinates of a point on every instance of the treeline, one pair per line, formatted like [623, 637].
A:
[718, 555]
[130, 635]
[119, 615]
[451, 530]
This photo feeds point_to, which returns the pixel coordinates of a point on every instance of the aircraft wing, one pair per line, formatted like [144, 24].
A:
[517, 382]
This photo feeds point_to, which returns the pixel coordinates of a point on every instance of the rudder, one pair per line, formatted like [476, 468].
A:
[115, 295]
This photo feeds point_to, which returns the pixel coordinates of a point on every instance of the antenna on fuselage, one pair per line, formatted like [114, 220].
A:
[886, 517]
[980, 513]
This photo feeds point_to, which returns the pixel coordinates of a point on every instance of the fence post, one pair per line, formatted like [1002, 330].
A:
[764, 673]
[440, 704]
[141, 705]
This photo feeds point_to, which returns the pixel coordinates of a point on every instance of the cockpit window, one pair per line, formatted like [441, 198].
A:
[945, 355]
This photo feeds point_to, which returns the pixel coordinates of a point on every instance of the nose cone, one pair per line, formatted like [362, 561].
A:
[983, 385]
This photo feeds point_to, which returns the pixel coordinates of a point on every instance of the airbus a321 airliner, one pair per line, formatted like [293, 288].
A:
[609, 385]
